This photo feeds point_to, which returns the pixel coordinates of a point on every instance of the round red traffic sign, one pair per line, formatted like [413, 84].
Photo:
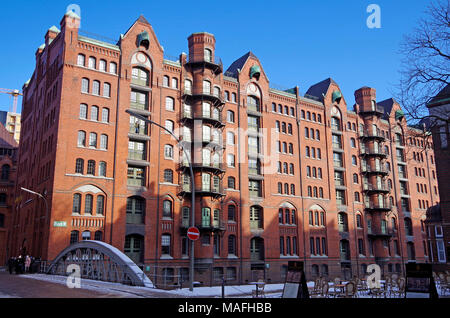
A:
[193, 234]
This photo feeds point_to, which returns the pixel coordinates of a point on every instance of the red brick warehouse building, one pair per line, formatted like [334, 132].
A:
[278, 176]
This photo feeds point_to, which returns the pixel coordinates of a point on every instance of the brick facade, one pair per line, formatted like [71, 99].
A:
[264, 161]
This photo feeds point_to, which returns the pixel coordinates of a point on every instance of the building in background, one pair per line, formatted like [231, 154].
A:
[11, 121]
[8, 162]
[279, 176]
[439, 221]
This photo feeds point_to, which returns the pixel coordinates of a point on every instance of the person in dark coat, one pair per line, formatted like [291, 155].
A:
[11, 262]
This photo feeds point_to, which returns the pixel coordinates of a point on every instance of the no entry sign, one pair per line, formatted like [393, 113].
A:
[193, 234]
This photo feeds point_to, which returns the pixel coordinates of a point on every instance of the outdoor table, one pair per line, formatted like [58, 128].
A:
[257, 284]
[341, 288]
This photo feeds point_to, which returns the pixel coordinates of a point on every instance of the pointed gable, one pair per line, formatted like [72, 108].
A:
[319, 90]
[232, 71]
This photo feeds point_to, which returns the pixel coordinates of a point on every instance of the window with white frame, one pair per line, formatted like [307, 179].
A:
[83, 111]
[102, 65]
[94, 113]
[96, 87]
[106, 90]
[113, 68]
[102, 169]
[168, 152]
[81, 61]
[170, 104]
[169, 125]
[174, 82]
[81, 138]
[104, 142]
[85, 85]
[93, 140]
[92, 62]
[105, 115]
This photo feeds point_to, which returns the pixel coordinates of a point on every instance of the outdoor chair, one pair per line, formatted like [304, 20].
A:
[350, 290]
[261, 293]
[324, 292]
[400, 289]
[316, 289]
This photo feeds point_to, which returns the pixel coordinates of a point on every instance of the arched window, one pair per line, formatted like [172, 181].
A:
[76, 205]
[98, 236]
[113, 68]
[170, 104]
[88, 203]
[83, 111]
[74, 237]
[100, 205]
[231, 183]
[289, 129]
[79, 166]
[166, 81]
[357, 197]
[174, 82]
[206, 87]
[81, 138]
[104, 142]
[96, 87]
[286, 189]
[105, 115]
[91, 167]
[92, 62]
[85, 85]
[167, 208]
[94, 113]
[5, 172]
[355, 178]
[208, 55]
[81, 61]
[359, 223]
[280, 188]
[102, 65]
[231, 213]
[168, 152]
[106, 90]
[102, 169]
[93, 140]
[253, 104]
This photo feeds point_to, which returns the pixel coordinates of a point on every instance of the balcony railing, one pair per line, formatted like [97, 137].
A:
[375, 187]
[139, 106]
[378, 206]
[212, 225]
[202, 58]
[369, 169]
[136, 155]
[376, 109]
[138, 129]
[371, 134]
[379, 232]
[374, 152]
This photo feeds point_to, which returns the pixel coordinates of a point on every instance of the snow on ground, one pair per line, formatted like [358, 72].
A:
[238, 291]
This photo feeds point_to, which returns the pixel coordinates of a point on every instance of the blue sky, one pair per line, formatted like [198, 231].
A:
[298, 42]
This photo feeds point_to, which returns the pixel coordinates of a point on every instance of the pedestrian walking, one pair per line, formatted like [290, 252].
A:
[11, 264]
[27, 263]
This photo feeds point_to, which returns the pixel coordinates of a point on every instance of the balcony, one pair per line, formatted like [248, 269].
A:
[213, 63]
[375, 207]
[373, 152]
[377, 111]
[215, 225]
[216, 99]
[372, 188]
[376, 170]
[368, 134]
[379, 233]
[205, 190]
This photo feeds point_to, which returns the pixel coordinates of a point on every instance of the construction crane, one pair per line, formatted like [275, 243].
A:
[15, 93]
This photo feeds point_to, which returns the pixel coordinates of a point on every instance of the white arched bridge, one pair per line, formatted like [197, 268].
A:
[99, 261]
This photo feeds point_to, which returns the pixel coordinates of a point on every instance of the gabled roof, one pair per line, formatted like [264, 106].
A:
[387, 105]
[320, 89]
[442, 97]
[6, 139]
[142, 19]
[232, 71]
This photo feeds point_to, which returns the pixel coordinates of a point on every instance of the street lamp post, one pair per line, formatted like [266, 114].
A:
[43, 198]
[191, 265]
